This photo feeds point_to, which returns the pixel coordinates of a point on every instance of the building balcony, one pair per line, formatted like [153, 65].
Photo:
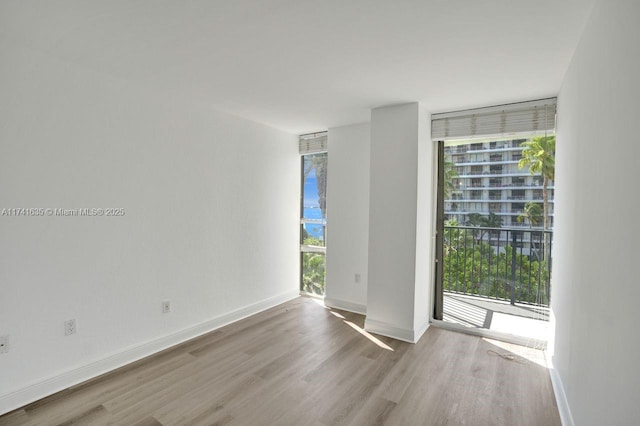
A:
[498, 279]
[484, 149]
[492, 200]
[465, 211]
[461, 149]
[501, 173]
[539, 198]
[524, 321]
[483, 162]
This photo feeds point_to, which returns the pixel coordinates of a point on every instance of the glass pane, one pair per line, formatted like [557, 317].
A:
[314, 188]
[313, 222]
[313, 269]
[498, 234]
[313, 234]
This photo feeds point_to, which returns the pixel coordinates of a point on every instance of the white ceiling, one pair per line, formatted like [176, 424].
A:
[307, 65]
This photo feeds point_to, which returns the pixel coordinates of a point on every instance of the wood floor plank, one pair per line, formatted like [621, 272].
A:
[93, 416]
[149, 421]
[15, 418]
[57, 410]
[374, 412]
[303, 364]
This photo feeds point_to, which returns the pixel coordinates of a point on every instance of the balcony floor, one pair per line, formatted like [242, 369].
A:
[530, 322]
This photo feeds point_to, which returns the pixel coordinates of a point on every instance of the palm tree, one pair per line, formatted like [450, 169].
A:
[450, 175]
[539, 155]
[491, 221]
[475, 219]
[318, 162]
[533, 215]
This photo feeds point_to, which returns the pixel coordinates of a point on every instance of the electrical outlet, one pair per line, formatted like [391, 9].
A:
[70, 327]
[4, 344]
[166, 307]
[357, 278]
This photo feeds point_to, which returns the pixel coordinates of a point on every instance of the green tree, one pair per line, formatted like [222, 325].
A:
[478, 220]
[532, 214]
[479, 270]
[475, 219]
[539, 155]
[451, 222]
[313, 273]
[454, 237]
[491, 221]
[450, 175]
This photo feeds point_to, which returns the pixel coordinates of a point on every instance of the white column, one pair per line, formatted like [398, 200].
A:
[401, 225]
[348, 216]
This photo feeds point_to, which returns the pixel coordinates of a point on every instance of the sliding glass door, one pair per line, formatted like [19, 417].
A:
[495, 218]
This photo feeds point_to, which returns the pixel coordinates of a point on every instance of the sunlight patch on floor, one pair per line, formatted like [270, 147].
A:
[335, 314]
[369, 336]
[525, 327]
[526, 353]
[318, 301]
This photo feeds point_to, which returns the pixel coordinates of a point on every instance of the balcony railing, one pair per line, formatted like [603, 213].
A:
[498, 263]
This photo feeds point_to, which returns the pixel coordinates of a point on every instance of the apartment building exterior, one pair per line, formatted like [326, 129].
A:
[489, 181]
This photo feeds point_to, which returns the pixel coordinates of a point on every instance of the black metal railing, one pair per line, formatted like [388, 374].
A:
[498, 263]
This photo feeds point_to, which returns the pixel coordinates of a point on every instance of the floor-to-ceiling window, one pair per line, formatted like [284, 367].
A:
[313, 212]
[495, 230]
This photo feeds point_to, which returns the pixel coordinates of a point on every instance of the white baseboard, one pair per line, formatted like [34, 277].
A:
[74, 376]
[561, 397]
[423, 328]
[345, 306]
[385, 329]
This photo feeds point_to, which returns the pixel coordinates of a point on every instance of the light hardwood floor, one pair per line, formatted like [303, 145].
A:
[303, 364]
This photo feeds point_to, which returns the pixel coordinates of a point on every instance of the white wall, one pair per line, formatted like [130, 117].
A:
[211, 220]
[396, 285]
[596, 286]
[348, 217]
[426, 199]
